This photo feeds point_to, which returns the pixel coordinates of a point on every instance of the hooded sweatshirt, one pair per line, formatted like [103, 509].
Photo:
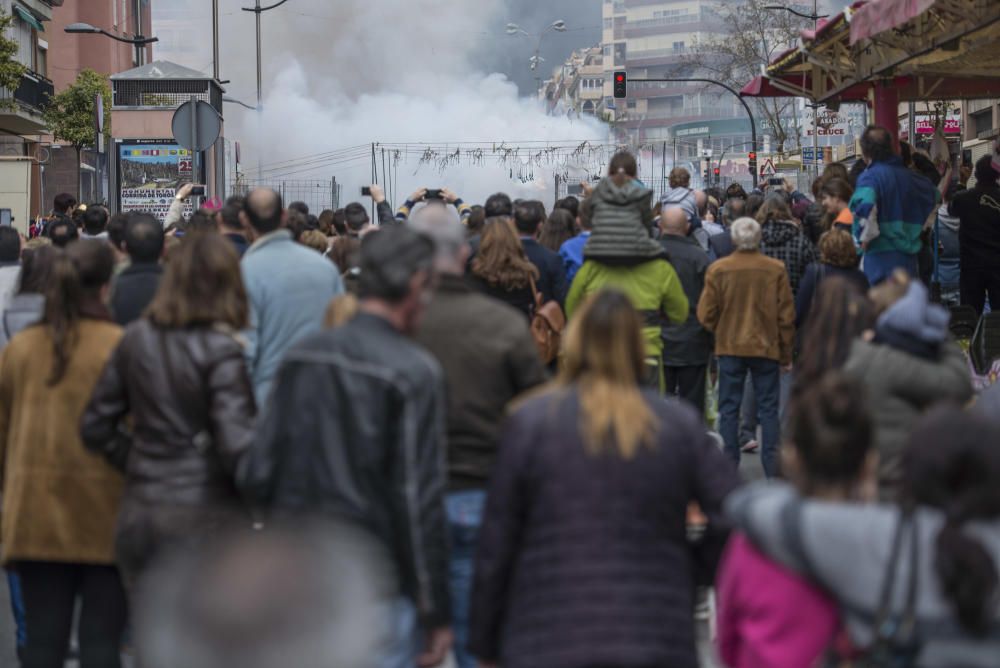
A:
[785, 241]
[682, 198]
[621, 218]
[913, 324]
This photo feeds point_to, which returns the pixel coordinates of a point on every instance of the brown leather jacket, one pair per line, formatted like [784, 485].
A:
[747, 302]
[192, 418]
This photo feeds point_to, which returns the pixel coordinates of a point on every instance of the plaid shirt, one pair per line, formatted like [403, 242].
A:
[787, 242]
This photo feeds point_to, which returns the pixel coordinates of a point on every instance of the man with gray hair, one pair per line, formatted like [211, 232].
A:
[747, 302]
[488, 358]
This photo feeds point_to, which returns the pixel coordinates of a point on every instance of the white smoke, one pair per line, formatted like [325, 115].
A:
[353, 72]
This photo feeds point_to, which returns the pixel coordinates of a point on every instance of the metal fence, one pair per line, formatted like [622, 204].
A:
[318, 194]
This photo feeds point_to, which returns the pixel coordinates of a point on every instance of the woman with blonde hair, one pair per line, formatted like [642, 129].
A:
[583, 557]
[502, 270]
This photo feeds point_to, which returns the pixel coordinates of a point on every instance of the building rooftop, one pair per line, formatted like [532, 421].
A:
[160, 69]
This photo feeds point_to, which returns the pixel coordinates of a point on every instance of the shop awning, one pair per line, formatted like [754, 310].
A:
[879, 16]
[28, 18]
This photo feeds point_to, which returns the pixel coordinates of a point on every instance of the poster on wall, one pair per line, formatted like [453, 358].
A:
[149, 173]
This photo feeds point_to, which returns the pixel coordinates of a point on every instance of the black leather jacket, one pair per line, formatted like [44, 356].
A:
[355, 429]
[192, 413]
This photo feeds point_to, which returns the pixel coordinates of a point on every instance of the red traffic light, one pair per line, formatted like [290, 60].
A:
[752, 155]
[621, 84]
[717, 171]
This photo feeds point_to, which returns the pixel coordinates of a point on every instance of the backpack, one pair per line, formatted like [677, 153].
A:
[547, 325]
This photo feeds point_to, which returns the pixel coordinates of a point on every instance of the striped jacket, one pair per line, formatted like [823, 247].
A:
[890, 206]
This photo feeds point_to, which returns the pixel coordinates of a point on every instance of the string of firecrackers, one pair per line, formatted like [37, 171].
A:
[586, 156]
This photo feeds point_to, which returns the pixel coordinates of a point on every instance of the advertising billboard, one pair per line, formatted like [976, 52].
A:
[149, 173]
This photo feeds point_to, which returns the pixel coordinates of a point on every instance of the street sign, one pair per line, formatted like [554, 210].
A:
[767, 169]
[196, 125]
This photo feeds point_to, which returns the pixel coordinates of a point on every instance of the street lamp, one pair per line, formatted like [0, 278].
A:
[258, 10]
[814, 17]
[138, 41]
[556, 26]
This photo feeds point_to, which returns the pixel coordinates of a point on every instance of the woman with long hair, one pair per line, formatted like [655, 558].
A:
[179, 376]
[557, 229]
[502, 270]
[916, 581]
[583, 557]
[60, 502]
[842, 314]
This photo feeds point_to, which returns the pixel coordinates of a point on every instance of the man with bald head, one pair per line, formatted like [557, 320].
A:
[288, 286]
[686, 346]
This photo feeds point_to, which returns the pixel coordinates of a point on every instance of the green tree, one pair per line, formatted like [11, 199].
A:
[70, 114]
[11, 71]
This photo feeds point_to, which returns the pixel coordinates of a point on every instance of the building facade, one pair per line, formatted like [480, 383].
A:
[21, 123]
[577, 87]
[656, 39]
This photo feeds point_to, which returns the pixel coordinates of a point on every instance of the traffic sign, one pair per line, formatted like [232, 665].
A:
[767, 169]
[196, 125]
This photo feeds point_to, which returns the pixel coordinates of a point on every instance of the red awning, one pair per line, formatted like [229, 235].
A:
[879, 16]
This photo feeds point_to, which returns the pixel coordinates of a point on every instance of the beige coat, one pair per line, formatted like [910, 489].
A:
[60, 502]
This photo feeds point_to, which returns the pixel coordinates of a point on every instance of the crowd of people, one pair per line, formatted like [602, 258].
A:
[262, 437]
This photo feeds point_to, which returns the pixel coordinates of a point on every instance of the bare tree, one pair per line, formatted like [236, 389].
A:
[750, 38]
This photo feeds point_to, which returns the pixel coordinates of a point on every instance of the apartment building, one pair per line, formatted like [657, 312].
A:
[21, 124]
[657, 39]
[577, 88]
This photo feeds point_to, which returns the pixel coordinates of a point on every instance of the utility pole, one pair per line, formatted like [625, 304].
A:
[258, 10]
[215, 40]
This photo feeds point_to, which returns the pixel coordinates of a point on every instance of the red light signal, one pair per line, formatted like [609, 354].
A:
[621, 84]
[752, 155]
[717, 171]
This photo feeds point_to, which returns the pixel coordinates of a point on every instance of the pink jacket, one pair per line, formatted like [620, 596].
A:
[770, 617]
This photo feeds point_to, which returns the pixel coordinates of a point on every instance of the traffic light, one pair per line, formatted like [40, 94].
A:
[753, 161]
[705, 175]
[621, 85]
[717, 172]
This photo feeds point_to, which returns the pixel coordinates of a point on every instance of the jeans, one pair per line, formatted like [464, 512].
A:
[465, 517]
[687, 382]
[17, 607]
[748, 414]
[50, 593]
[402, 643]
[764, 374]
[879, 266]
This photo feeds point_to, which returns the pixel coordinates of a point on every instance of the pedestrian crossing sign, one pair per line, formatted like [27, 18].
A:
[767, 169]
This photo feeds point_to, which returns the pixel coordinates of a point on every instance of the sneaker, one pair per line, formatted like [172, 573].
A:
[750, 447]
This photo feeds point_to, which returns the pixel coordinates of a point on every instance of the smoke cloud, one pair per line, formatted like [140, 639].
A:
[344, 74]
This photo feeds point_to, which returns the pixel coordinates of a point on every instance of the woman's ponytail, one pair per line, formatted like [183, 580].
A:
[63, 296]
[74, 289]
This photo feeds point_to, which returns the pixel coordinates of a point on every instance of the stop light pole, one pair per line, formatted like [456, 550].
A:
[621, 91]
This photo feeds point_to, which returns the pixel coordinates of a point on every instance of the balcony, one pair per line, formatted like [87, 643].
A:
[31, 96]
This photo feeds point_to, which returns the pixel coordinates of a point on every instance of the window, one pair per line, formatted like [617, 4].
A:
[42, 59]
[609, 23]
[22, 34]
[678, 47]
[982, 121]
[630, 104]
